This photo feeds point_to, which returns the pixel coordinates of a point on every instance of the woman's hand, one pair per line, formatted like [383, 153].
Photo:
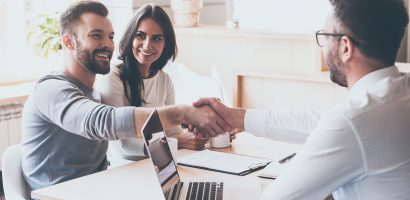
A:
[191, 141]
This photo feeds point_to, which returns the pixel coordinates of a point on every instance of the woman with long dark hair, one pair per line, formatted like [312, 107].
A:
[146, 47]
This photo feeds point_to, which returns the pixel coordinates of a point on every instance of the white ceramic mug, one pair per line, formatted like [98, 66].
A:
[221, 141]
[173, 146]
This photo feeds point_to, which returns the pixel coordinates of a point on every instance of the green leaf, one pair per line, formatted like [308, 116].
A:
[44, 35]
[46, 42]
[56, 47]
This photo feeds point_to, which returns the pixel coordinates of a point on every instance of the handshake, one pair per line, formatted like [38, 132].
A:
[209, 118]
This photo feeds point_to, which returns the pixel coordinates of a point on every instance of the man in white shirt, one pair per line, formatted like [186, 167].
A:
[360, 149]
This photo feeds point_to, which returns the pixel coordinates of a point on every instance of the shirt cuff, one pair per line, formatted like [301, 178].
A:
[254, 121]
[126, 116]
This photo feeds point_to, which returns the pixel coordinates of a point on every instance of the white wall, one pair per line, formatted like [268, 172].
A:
[276, 16]
[2, 32]
[17, 60]
[120, 12]
[290, 16]
[213, 11]
[290, 93]
[13, 42]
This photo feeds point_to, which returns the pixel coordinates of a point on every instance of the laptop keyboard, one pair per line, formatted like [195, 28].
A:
[205, 191]
[197, 191]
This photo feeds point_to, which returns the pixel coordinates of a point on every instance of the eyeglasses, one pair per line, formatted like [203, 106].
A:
[321, 41]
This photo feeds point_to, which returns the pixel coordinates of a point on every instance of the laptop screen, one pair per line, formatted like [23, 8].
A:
[159, 151]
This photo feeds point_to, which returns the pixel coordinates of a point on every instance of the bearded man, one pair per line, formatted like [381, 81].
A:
[360, 149]
[65, 128]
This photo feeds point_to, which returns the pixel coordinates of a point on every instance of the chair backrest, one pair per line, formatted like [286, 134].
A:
[13, 180]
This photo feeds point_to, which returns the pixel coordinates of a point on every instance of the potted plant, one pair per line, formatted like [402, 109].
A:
[44, 35]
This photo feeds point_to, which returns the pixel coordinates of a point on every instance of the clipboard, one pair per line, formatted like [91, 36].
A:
[229, 163]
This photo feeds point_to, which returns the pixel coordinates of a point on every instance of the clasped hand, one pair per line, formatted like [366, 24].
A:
[209, 118]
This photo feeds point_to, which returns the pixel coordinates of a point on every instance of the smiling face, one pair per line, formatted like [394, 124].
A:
[148, 44]
[93, 43]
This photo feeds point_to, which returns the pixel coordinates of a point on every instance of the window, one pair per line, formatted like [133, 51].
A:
[18, 62]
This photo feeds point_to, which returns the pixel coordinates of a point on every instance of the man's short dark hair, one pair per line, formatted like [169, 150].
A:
[376, 25]
[71, 16]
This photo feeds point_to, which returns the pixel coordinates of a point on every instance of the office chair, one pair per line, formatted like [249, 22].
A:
[13, 180]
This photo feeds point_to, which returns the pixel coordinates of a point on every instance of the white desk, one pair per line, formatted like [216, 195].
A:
[138, 180]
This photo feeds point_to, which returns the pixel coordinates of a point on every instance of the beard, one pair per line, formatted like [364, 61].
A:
[87, 59]
[337, 75]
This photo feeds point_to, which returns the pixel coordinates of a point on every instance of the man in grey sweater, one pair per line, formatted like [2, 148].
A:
[65, 128]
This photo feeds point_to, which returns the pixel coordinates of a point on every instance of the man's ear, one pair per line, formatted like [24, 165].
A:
[68, 41]
[346, 48]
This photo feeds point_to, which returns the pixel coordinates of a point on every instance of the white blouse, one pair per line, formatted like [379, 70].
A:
[158, 91]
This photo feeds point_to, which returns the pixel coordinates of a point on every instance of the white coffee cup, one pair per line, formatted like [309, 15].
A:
[221, 141]
[173, 146]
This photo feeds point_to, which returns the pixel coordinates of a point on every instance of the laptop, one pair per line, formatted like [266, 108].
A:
[170, 181]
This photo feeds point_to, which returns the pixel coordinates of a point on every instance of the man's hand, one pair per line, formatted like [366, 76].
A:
[233, 116]
[206, 121]
[190, 141]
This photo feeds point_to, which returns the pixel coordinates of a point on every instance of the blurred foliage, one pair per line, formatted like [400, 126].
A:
[43, 34]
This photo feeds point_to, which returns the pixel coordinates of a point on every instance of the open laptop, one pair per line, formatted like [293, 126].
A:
[170, 181]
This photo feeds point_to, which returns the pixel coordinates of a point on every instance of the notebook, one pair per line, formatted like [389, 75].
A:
[170, 181]
[224, 162]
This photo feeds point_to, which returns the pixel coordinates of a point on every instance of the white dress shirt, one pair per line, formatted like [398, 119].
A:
[358, 150]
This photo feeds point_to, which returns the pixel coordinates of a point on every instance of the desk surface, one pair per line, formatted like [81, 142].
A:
[138, 180]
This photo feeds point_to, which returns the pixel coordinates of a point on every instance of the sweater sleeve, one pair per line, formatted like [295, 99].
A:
[112, 93]
[69, 108]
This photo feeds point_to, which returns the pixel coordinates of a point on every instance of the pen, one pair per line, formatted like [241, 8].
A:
[257, 166]
[287, 158]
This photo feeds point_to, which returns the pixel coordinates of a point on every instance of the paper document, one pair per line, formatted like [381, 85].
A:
[224, 162]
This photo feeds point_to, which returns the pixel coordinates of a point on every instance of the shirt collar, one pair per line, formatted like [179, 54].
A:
[370, 79]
